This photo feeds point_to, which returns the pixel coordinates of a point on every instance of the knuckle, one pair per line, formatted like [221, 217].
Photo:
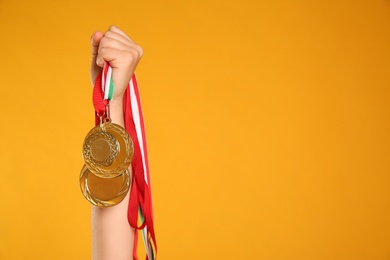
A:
[99, 60]
[136, 54]
[103, 43]
[108, 33]
[102, 50]
[112, 27]
[140, 51]
[129, 56]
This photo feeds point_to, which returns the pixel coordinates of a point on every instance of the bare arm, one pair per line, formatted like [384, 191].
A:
[112, 236]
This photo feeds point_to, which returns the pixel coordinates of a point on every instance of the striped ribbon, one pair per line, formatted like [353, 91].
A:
[107, 86]
[140, 211]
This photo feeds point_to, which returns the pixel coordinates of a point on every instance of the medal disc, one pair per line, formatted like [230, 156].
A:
[103, 192]
[107, 150]
[103, 148]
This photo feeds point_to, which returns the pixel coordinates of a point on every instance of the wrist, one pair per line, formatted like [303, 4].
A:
[116, 111]
[116, 103]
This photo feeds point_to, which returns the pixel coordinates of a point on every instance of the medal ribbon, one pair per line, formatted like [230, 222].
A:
[140, 211]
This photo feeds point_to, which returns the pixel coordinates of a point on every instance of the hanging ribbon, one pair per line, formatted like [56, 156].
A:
[140, 211]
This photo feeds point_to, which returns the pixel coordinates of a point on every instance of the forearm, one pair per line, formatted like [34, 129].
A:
[112, 236]
[116, 111]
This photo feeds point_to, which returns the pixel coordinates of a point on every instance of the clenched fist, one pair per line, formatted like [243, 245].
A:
[123, 55]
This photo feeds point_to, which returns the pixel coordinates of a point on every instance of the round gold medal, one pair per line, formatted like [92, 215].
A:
[103, 192]
[107, 150]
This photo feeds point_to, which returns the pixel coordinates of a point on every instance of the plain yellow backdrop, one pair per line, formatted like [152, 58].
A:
[267, 121]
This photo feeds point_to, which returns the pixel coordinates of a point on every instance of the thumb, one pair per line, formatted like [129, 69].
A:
[95, 41]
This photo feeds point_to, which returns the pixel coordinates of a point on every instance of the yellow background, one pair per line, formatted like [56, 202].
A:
[268, 126]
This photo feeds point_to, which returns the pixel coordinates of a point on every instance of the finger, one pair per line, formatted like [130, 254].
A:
[115, 29]
[116, 33]
[117, 58]
[118, 37]
[108, 42]
[95, 41]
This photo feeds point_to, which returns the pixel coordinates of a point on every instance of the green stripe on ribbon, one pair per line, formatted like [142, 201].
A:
[111, 90]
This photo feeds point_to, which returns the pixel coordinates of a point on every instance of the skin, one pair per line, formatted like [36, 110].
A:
[112, 236]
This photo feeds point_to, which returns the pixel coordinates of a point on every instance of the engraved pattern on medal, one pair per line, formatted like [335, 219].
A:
[101, 156]
[101, 148]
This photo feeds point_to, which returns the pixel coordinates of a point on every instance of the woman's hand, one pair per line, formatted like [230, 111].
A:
[123, 55]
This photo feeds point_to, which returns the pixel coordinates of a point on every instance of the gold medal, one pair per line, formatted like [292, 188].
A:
[103, 192]
[107, 150]
[103, 148]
